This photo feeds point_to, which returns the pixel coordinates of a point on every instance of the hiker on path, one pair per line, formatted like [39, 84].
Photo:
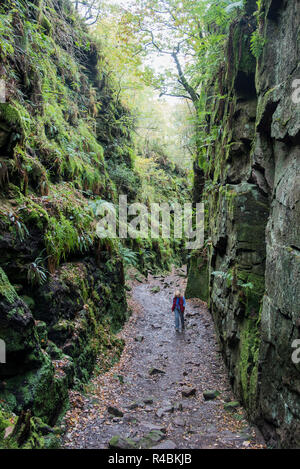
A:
[179, 307]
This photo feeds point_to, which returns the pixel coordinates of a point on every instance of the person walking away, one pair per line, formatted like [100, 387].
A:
[178, 308]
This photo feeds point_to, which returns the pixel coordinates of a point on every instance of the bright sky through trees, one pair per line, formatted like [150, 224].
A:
[158, 62]
[161, 119]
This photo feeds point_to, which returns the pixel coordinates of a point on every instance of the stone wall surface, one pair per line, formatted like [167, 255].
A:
[253, 224]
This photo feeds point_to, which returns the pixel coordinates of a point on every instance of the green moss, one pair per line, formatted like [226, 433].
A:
[4, 423]
[253, 295]
[28, 300]
[27, 432]
[42, 332]
[6, 289]
[75, 275]
[263, 102]
[16, 114]
[15, 312]
[242, 58]
[6, 31]
[53, 350]
[60, 238]
[32, 213]
[117, 441]
[46, 24]
[248, 363]
[250, 338]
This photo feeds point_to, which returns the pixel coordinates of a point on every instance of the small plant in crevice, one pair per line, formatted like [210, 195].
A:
[18, 227]
[129, 257]
[228, 276]
[257, 44]
[36, 273]
[85, 241]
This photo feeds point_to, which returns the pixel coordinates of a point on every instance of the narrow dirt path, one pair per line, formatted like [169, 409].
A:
[154, 396]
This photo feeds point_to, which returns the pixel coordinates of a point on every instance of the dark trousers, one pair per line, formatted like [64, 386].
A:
[179, 316]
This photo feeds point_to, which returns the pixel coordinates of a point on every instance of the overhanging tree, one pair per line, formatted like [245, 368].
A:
[190, 33]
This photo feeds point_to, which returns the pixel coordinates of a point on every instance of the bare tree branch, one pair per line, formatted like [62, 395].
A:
[175, 95]
[182, 80]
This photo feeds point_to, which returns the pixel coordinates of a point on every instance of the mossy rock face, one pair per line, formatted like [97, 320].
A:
[250, 212]
[275, 147]
[4, 423]
[25, 432]
[252, 199]
[198, 280]
[54, 352]
[7, 291]
[41, 390]
[237, 216]
[42, 332]
[17, 330]
[236, 296]
[28, 374]
[74, 304]
[61, 331]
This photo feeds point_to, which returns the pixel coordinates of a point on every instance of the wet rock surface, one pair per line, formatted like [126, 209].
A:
[254, 212]
[161, 410]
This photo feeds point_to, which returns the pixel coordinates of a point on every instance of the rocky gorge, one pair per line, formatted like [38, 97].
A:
[66, 146]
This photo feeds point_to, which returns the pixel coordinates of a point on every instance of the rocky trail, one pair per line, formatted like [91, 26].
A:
[169, 390]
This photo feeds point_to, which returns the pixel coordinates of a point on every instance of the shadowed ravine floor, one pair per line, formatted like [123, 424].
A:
[156, 390]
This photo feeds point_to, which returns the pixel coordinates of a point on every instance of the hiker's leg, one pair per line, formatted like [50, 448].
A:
[182, 320]
[176, 319]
